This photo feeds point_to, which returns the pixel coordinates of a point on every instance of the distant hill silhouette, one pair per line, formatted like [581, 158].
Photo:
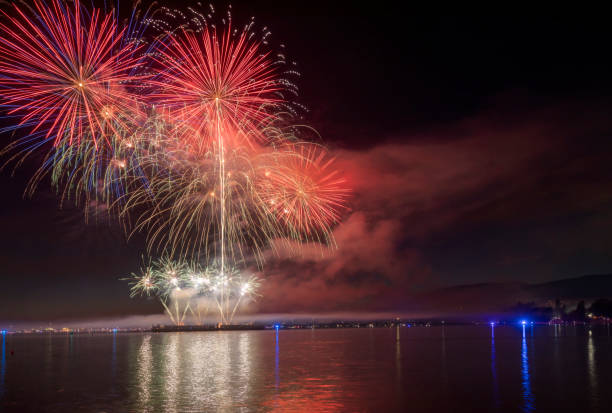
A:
[585, 287]
[498, 297]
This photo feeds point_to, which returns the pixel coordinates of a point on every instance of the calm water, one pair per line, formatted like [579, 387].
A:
[460, 369]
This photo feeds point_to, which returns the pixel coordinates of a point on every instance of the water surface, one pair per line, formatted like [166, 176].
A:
[418, 369]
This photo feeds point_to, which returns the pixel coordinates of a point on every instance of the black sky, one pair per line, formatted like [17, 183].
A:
[496, 128]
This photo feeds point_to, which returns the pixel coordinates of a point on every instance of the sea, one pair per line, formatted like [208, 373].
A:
[508, 368]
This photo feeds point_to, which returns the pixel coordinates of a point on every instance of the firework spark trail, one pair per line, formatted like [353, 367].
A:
[221, 186]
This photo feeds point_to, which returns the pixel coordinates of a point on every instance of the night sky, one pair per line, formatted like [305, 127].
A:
[478, 150]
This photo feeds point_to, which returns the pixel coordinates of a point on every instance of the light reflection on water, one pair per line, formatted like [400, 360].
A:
[592, 367]
[496, 401]
[528, 400]
[398, 356]
[2, 364]
[276, 355]
[400, 369]
[144, 372]
[170, 372]
[189, 371]
[443, 359]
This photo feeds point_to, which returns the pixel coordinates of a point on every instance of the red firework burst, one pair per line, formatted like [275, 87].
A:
[63, 71]
[304, 190]
[214, 85]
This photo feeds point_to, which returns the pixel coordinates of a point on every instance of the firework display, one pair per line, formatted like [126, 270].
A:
[184, 128]
[188, 289]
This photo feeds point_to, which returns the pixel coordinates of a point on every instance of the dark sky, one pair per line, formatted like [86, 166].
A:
[479, 150]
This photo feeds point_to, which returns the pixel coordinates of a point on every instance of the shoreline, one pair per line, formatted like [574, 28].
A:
[281, 326]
